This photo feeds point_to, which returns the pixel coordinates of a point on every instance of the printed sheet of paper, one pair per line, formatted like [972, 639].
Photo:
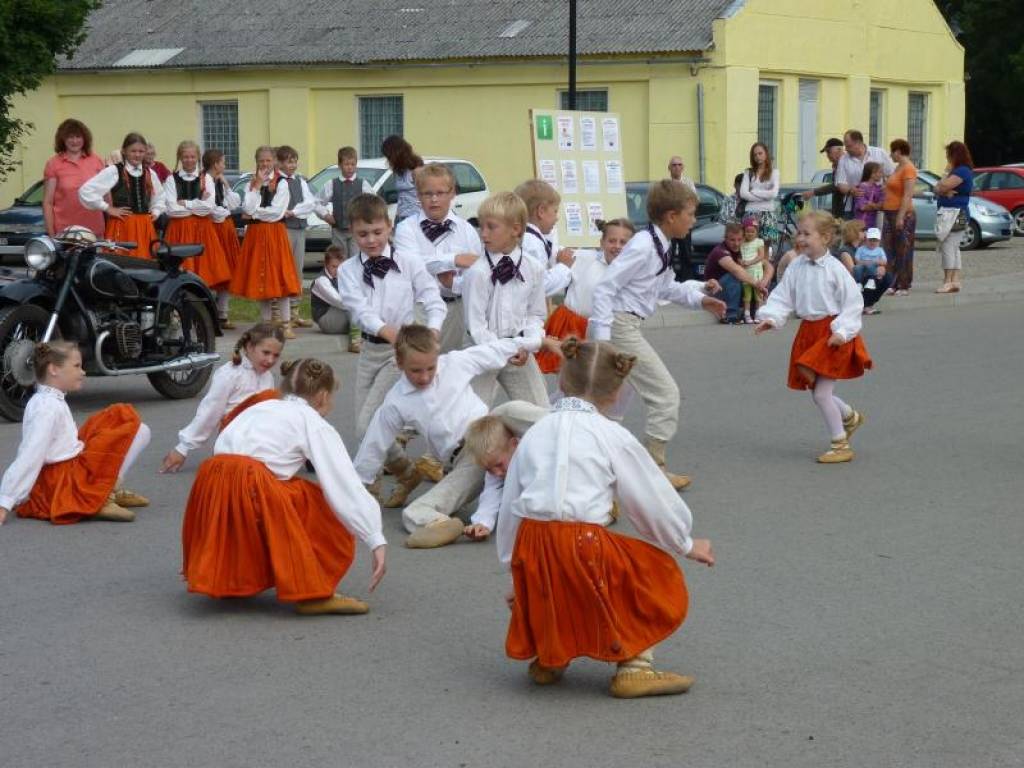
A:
[595, 212]
[548, 172]
[573, 219]
[613, 176]
[591, 177]
[610, 134]
[566, 132]
[570, 181]
[588, 134]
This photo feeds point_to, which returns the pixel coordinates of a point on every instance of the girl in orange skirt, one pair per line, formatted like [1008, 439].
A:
[818, 289]
[247, 375]
[266, 270]
[62, 473]
[130, 194]
[225, 200]
[251, 524]
[189, 194]
[570, 319]
[578, 589]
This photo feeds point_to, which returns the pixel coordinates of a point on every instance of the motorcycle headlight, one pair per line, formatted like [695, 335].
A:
[40, 252]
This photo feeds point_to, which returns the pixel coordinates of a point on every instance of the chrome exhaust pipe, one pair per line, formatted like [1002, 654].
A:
[184, 363]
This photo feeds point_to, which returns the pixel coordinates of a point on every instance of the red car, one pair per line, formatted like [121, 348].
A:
[1004, 185]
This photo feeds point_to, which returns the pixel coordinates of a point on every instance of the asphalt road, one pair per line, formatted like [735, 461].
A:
[860, 615]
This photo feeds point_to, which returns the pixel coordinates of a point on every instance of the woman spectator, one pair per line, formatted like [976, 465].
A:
[760, 190]
[953, 193]
[72, 166]
[899, 219]
[403, 162]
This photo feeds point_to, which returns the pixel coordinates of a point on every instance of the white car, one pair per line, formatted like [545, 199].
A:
[470, 187]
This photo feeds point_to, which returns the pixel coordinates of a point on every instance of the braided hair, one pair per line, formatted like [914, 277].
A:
[307, 377]
[256, 334]
[593, 370]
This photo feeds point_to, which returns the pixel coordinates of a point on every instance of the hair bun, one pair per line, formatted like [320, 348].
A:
[624, 363]
[313, 367]
[570, 347]
[287, 366]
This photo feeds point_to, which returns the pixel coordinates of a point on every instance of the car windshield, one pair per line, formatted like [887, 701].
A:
[327, 175]
[33, 195]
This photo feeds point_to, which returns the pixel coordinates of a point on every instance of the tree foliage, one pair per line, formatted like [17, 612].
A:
[33, 33]
[991, 33]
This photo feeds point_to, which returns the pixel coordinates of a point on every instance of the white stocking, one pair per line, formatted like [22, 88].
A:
[139, 443]
[826, 403]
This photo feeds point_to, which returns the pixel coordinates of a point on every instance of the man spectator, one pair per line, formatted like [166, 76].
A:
[833, 150]
[850, 167]
[681, 250]
[724, 265]
[677, 172]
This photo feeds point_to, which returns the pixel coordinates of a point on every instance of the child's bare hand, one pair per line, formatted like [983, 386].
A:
[553, 345]
[702, 552]
[712, 286]
[566, 256]
[3, 515]
[880, 272]
[117, 213]
[510, 600]
[520, 357]
[476, 532]
[172, 462]
[465, 260]
[447, 279]
[836, 340]
[388, 333]
[380, 567]
[715, 306]
[764, 325]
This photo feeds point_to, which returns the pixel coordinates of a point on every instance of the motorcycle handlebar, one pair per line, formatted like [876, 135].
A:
[128, 246]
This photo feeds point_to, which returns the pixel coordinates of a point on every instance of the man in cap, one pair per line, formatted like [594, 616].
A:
[834, 151]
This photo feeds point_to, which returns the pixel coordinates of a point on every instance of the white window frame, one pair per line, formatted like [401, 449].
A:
[918, 148]
[374, 150]
[878, 139]
[773, 144]
[204, 145]
[563, 95]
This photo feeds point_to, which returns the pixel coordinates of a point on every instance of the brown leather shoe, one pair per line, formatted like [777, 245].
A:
[636, 683]
[338, 605]
[839, 453]
[430, 468]
[114, 513]
[302, 322]
[125, 498]
[407, 482]
[853, 423]
[435, 535]
[542, 675]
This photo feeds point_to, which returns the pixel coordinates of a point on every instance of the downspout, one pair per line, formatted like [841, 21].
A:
[701, 157]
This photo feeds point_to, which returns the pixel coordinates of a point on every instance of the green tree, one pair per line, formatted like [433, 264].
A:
[33, 33]
[991, 35]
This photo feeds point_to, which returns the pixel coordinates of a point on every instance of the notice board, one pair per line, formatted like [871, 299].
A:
[580, 155]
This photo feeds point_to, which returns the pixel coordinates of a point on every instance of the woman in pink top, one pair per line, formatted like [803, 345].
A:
[72, 166]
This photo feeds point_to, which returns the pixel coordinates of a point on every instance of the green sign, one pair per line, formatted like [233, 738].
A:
[545, 129]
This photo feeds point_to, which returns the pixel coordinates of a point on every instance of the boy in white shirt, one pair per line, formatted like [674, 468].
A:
[447, 243]
[301, 203]
[628, 294]
[329, 312]
[334, 198]
[542, 201]
[503, 298]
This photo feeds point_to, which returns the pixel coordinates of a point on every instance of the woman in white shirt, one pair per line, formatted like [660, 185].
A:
[251, 524]
[579, 590]
[760, 191]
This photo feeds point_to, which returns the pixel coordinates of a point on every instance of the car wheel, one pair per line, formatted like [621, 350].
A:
[1018, 221]
[970, 238]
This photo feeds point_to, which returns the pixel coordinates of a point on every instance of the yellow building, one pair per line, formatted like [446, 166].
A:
[699, 78]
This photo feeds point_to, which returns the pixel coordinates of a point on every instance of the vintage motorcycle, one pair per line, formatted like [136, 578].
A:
[127, 315]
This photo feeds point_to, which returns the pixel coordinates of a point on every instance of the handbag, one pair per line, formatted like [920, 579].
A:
[960, 223]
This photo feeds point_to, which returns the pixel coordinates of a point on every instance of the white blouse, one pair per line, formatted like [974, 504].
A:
[278, 205]
[587, 271]
[48, 435]
[760, 195]
[308, 204]
[92, 193]
[229, 386]
[572, 464]
[439, 256]
[283, 435]
[496, 311]
[201, 206]
[815, 288]
[556, 274]
[231, 201]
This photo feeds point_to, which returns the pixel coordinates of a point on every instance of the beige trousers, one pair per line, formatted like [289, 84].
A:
[376, 373]
[948, 241]
[520, 382]
[297, 240]
[649, 377]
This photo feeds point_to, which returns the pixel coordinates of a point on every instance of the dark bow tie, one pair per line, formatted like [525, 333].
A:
[378, 267]
[659, 248]
[544, 240]
[434, 229]
[505, 269]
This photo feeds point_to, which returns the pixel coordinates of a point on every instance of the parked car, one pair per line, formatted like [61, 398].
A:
[1003, 185]
[707, 232]
[21, 222]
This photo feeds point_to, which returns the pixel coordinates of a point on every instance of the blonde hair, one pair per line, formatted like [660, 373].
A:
[264, 148]
[593, 370]
[414, 337]
[186, 144]
[666, 196]
[307, 377]
[852, 230]
[433, 171]
[625, 224]
[47, 353]
[823, 222]
[536, 193]
[506, 206]
[258, 333]
[485, 437]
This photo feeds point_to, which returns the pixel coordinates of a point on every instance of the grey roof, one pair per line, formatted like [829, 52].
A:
[224, 33]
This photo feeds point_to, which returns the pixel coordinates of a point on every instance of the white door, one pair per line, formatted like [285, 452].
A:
[808, 135]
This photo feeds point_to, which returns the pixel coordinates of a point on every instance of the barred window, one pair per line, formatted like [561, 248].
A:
[767, 113]
[917, 126]
[876, 120]
[220, 130]
[379, 117]
[595, 100]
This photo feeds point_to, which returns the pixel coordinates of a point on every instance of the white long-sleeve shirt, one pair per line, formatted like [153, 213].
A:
[536, 246]
[392, 299]
[441, 413]
[496, 311]
[325, 197]
[92, 193]
[572, 464]
[439, 256]
[587, 271]
[283, 435]
[815, 288]
[229, 386]
[273, 212]
[327, 289]
[230, 201]
[201, 206]
[308, 204]
[632, 283]
[48, 435]
[760, 195]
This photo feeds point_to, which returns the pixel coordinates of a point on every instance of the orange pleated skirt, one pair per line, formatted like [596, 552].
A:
[134, 228]
[245, 531]
[811, 350]
[562, 323]
[265, 268]
[583, 591]
[259, 397]
[67, 491]
[211, 265]
[228, 237]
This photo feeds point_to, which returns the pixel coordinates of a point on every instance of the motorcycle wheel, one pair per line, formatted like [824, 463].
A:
[180, 385]
[21, 327]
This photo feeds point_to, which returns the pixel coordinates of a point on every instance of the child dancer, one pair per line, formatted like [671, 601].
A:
[503, 298]
[251, 524]
[136, 197]
[628, 294]
[301, 203]
[435, 397]
[329, 312]
[266, 269]
[753, 258]
[62, 473]
[579, 590]
[225, 200]
[820, 291]
[446, 243]
[542, 201]
[233, 387]
[869, 202]
[570, 319]
[335, 197]
[190, 200]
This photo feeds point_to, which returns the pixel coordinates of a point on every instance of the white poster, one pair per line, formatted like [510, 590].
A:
[570, 182]
[613, 176]
[548, 173]
[595, 212]
[591, 177]
[610, 133]
[573, 219]
[566, 132]
[588, 134]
